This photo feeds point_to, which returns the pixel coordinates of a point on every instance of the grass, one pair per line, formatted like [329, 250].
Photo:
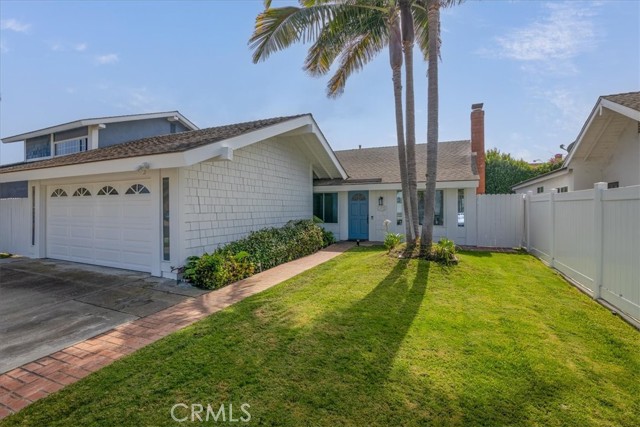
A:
[5, 255]
[365, 339]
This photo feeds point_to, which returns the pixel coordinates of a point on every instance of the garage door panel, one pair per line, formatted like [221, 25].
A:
[58, 250]
[114, 230]
[108, 211]
[84, 231]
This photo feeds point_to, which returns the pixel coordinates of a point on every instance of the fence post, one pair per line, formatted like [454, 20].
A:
[527, 218]
[552, 228]
[598, 189]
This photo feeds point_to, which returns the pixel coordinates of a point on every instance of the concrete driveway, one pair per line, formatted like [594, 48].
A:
[47, 305]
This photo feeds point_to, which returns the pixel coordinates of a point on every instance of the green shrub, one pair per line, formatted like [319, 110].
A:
[328, 238]
[213, 271]
[261, 250]
[444, 252]
[391, 240]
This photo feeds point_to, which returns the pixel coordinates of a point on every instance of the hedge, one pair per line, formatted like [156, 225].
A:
[261, 250]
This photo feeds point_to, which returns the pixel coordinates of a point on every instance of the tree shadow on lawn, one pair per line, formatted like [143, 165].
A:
[339, 368]
[336, 370]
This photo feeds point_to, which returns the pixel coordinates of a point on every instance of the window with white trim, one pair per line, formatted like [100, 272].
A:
[325, 207]
[70, 146]
[438, 212]
[540, 190]
[59, 192]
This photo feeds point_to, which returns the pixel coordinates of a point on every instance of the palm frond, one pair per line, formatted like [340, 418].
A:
[421, 28]
[340, 32]
[358, 52]
[278, 28]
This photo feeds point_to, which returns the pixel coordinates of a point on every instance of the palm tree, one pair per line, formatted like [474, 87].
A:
[353, 32]
[433, 19]
[408, 35]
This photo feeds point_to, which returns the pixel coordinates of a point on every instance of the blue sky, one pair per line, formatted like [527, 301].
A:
[538, 66]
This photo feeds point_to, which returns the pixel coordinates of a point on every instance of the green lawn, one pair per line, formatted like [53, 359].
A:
[367, 340]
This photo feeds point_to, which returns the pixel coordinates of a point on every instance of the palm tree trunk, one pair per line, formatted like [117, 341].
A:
[410, 111]
[433, 17]
[395, 58]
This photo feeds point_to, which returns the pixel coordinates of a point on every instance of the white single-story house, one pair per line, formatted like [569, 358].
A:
[606, 150]
[145, 192]
[357, 207]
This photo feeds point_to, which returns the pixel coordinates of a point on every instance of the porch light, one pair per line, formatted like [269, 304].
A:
[380, 201]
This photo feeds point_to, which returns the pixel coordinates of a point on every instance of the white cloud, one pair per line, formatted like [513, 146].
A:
[14, 25]
[564, 32]
[110, 58]
[64, 47]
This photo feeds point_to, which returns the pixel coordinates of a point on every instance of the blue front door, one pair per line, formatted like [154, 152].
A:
[358, 215]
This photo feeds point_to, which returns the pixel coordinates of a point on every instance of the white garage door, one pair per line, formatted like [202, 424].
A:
[109, 223]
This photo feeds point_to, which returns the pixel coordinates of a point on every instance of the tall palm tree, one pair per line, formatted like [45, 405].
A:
[433, 52]
[352, 32]
[408, 37]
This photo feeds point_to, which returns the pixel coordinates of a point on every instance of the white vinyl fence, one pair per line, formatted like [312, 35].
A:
[15, 226]
[500, 220]
[593, 237]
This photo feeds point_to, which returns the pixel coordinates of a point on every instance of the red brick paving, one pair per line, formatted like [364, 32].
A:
[35, 380]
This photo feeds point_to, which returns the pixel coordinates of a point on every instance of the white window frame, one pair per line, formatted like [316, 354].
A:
[55, 144]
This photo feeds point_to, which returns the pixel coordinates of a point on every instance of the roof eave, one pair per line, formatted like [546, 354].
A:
[602, 103]
[223, 148]
[99, 120]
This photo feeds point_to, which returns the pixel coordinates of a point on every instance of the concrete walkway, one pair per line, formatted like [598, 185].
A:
[28, 383]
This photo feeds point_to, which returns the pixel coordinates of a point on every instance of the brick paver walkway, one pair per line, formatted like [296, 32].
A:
[28, 383]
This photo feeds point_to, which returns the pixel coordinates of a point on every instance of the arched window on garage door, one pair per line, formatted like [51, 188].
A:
[107, 190]
[80, 192]
[137, 189]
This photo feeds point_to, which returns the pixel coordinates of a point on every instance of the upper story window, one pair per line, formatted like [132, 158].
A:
[36, 148]
[615, 184]
[540, 190]
[70, 146]
[57, 144]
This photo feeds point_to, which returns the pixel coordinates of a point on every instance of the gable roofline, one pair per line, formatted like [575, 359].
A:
[98, 121]
[171, 156]
[605, 101]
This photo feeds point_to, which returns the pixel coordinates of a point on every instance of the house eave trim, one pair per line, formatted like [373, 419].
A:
[390, 186]
[602, 103]
[97, 121]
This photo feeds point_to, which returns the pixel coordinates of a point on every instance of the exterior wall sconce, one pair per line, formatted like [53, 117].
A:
[380, 201]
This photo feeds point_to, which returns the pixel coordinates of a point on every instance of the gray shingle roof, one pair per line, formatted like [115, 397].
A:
[629, 99]
[456, 162]
[163, 144]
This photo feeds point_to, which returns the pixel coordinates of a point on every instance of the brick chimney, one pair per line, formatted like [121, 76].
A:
[477, 142]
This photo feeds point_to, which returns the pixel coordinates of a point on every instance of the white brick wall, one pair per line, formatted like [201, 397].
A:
[265, 185]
